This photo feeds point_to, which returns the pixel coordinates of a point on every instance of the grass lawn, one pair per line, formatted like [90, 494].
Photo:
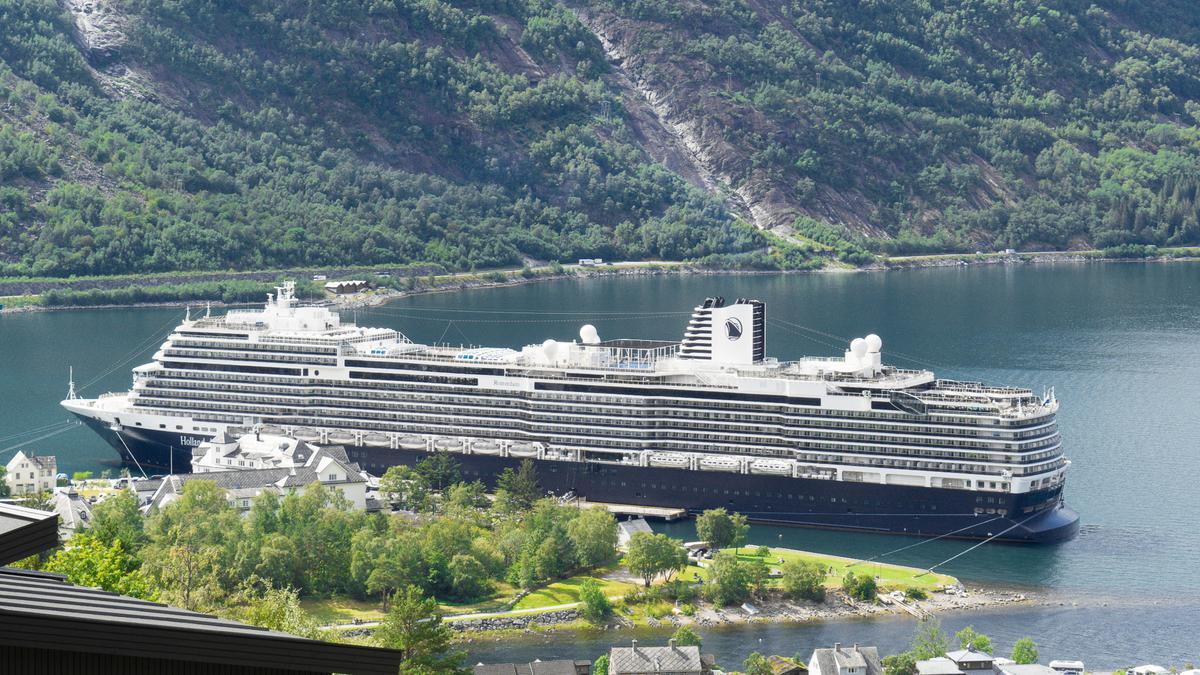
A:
[891, 577]
[499, 600]
[567, 591]
[342, 610]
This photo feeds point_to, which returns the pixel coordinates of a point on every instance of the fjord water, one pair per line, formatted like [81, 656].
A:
[1119, 342]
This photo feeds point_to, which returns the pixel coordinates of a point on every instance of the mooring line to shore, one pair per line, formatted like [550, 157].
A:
[998, 534]
[71, 425]
[924, 541]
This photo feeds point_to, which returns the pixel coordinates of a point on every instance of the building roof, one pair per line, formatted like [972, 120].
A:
[829, 660]
[784, 666]
[1028, 669]
[670, 659]
[43, 611]
[43, 462]
[73, 511]
[557, 667]
[968, 656]
[938, 666]
[25, 532]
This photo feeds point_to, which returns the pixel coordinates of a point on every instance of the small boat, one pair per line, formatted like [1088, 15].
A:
[306, 434]
[777, 467]
[448, 444]
[377, 440]
[271, 430]
[341, 437]
[720, 464]
[413, 443]
[523, 450]
[673, 460]
[235, 432]
[485, 447]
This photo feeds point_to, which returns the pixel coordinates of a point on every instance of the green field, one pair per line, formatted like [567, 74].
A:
[567, 591]
[891, 577]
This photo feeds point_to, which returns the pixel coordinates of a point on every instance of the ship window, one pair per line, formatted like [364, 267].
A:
[162, 426]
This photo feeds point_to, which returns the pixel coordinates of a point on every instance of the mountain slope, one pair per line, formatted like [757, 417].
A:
[213, 135]
[933, 125]
[140, 135]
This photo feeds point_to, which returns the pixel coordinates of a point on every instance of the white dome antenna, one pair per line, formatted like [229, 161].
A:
[874, 343]
[858, 347]
[588, 335]
[550, 349]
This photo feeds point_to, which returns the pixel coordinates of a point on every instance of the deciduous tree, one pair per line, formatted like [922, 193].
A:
[652, 555]
[721, 529]
[414, 626]
[1025, 651]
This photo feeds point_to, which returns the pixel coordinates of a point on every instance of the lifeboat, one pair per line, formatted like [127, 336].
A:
[720, 464]
[235, 432]
[341, 437]
[306, 434]
[775, 467]
[377, 440]
[413, 443]
[673, 460]
[523, 450]
[271, 430]
[485, 447]
[448, 444]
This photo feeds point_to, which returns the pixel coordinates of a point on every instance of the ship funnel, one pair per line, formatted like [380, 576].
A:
[729, 334]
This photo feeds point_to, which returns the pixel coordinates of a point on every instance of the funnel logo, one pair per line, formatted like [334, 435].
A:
[733, 329]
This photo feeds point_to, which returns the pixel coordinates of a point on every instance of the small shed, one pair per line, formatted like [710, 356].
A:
[627, 528]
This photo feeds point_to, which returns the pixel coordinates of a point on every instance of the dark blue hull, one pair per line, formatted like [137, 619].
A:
[1036, 517]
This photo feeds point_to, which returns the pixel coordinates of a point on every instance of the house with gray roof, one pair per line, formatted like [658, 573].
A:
[30, 473]
[971, 662]
[74, 512]
[256, 451]
[326, 466]
[839, 660]
[627, 528]
[670, 660]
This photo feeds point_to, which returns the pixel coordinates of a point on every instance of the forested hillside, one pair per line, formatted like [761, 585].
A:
[153, 135]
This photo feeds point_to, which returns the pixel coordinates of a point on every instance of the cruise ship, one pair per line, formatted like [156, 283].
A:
[709, 421]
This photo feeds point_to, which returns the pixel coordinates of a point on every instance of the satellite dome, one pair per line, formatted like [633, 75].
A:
[874, 343]
[588, 335]
[550, 349]
[858, 347]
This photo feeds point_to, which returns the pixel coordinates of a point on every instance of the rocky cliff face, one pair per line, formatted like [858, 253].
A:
[100, 29]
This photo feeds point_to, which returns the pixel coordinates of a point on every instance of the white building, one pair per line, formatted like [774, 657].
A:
[840, 660]
[252, 451]
[30, 473]
[327, 466]
[938, 665]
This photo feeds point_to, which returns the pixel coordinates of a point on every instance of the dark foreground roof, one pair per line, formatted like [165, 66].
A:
[25, 532]
[43, 611]
[44, 617]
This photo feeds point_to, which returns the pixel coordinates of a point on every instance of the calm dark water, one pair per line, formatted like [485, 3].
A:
[1120, 343]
